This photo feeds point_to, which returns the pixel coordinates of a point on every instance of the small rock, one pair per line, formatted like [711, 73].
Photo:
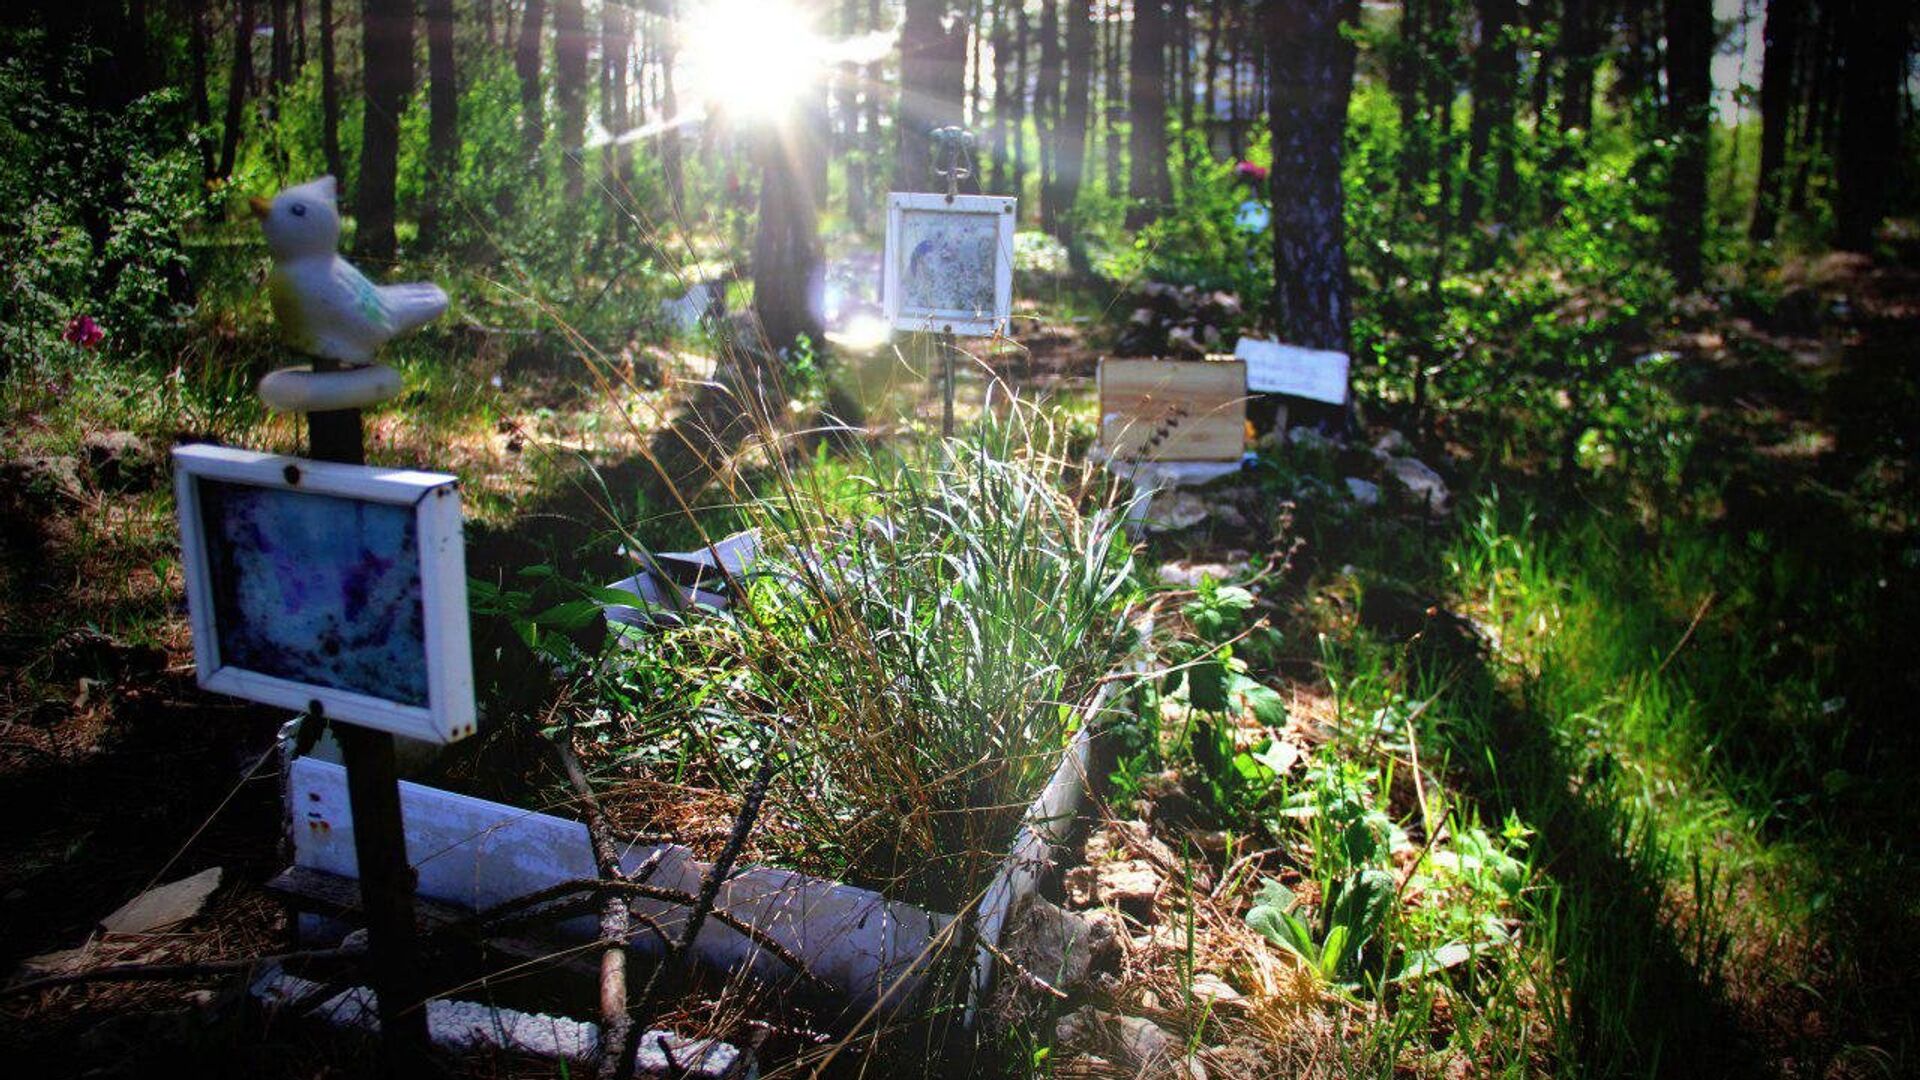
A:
[44, 480]
[54, 963]
[1364, 492]
[1421, 482]
[1392, 443]
[1310, 439]
[165, 905]
[1058, 947]
[1210, 987]
[1182, 340]
[1188, 575]
[1173, 511]
[1137, 1045]
[120, 461]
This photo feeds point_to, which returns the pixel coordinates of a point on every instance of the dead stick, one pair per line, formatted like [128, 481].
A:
[614, 924]
[717, 873]
[162, 972]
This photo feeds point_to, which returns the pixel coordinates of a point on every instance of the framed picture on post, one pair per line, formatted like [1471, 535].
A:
[949, 263]
[335, 589]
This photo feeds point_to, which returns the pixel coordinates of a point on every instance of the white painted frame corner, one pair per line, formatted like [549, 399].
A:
[449, 714]
[946, 321]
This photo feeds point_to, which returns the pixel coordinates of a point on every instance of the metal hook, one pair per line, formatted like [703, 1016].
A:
[951, 151]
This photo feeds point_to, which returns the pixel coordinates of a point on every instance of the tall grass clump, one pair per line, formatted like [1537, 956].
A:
[927, 627]
[913, 643]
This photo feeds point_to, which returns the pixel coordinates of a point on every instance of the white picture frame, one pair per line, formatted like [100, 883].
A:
[979, 231]
[1312, 374]
[437, 703]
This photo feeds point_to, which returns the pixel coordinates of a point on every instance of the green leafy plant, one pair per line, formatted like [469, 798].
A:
[1333, 947]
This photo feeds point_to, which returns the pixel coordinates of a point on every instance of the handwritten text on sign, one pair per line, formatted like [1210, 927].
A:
[1315, 374]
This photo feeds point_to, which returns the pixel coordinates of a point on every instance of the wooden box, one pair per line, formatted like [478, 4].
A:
[1173, 410]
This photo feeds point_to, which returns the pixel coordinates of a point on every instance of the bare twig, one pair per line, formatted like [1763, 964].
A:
[163, 972]
[615, 1020]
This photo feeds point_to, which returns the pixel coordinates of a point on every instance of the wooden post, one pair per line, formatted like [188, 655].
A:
[945, 344]
[379, 841]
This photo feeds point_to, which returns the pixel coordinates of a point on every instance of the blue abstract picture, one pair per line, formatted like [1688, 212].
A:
[317, 588]
[949, 261]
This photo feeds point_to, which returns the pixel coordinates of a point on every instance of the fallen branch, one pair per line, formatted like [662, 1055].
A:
[203, 969]
[615, 1020]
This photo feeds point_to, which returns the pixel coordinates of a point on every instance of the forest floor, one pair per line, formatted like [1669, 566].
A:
[1700, 712]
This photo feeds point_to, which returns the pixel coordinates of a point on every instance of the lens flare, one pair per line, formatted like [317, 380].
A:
[751, 61]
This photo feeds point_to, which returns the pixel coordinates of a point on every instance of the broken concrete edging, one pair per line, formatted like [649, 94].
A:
[475, 854]
[468, 1026]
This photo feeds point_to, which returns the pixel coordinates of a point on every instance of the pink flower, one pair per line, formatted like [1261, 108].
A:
[1247, 170]
[84, 332]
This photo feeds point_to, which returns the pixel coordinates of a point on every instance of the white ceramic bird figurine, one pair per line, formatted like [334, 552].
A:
[324, 306]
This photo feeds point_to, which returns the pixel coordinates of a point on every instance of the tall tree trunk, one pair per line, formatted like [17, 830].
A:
[1782, 38]
[1875, 42]
[787, 269]
[386, 84]
[1236, 102]
[1072, 132]
[330, 100]
[1490, 131]
[1148, 186]
[199, 30]
[1046, 111]
[240, 76]
[1003, 96]
[1209, 95]
[1689, 26]
[526, 64]
[570, 92]
[1312, 64]
[1023, 33]
[443, 122]
[280, 54]
[672, 150]
[1116, 98]
[1579, 58]
[932, 87]
[616, 53]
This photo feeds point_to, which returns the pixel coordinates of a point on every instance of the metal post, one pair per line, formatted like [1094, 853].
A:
[379, 841]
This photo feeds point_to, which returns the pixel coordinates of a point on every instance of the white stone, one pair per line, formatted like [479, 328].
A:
[1364, 492]
[1421, 482]
[163, 906]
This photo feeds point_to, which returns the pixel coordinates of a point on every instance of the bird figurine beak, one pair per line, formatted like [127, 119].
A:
[261, 207]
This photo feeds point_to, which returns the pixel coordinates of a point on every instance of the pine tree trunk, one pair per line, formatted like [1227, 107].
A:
[932, 87]
[787, 270]
[1003, 91]
[1116, 99]
[1689, 26]
[280, 55]
[330, 99]
[1023, 33]
[616, 49]
[1209, 100]
[1579, 58]
[1148, 187]
[671, 149]
[1312, 66]
[526, 64]
[570, 92]
[387, 34]
[1072, 132]
[200, 30]
[1782, 38]
[1046, 108]
[443, 121]
[1490, 131]
[237, 82]
[1875, 42]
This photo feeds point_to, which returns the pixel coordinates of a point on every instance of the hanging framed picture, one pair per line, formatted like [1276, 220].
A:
[949, 263]
[336, 589]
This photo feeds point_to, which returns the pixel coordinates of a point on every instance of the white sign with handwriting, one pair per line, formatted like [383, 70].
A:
[1315, 374]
